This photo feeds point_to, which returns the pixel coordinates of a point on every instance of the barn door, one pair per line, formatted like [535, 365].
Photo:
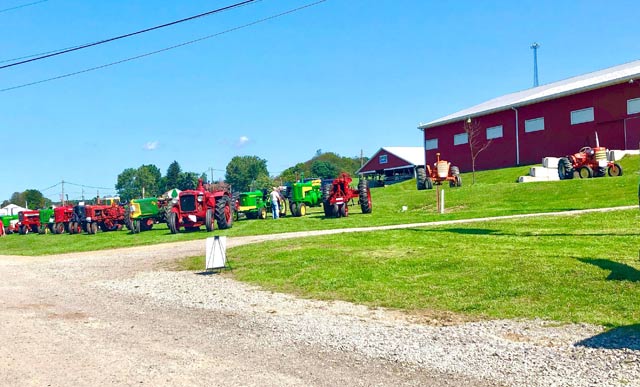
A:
[632, 133]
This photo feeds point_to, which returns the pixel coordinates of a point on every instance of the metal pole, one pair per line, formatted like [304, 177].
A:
[535, 46]
[441, 201]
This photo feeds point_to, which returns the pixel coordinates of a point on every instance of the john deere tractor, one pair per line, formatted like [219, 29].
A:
[303, 195]
[252, 204]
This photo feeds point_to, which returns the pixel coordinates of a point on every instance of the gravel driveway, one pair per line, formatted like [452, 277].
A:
[119, 318]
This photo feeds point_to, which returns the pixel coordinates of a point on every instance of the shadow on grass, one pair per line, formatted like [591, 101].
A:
[626, 337]
[619, 271]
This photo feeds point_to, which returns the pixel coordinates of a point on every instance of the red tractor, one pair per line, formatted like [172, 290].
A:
[442, 171]
[108, 217]
[61, 219]
[588, 162]
[194, 208]
[337, 195]
[29, 221]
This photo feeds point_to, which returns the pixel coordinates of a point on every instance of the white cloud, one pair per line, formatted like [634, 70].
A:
[151, 145]
[243, 140]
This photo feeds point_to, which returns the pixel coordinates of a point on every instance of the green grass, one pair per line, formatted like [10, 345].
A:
[570, 268]
[495, 193]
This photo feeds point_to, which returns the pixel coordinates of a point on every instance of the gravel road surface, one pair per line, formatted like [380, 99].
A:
[119, 317]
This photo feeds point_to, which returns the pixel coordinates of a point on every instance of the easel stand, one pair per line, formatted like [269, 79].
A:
[216, 254]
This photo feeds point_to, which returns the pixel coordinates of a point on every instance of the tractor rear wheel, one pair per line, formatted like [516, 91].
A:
[127, 218]
[335, 210]
[172, 222]
[614, 170]
[421, 178]
[326, 199]
[585, 172]
[364, 196]
[565, 169]
[428, 183]
[209, 220]
[224, 214]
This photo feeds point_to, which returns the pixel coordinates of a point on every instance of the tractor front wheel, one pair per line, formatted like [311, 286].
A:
[585, 172]
[303, 209]
[209, 220]
[344, 210]
[135, 226]
[428, 183]
[262, 213]
[614, 170]
[172, 222]
[224, 214]
[58, 228]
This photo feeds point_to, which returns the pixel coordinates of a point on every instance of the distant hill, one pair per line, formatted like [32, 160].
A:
[326, 165]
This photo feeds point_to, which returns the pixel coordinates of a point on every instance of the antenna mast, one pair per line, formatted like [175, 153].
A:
[535, 47]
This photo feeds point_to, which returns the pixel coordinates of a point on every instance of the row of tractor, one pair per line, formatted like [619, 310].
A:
[190, 209]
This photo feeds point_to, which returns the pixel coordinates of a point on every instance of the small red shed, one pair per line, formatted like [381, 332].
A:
[549, 120]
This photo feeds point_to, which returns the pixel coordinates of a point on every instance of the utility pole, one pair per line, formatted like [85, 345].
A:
[62, 195]
[535, 47]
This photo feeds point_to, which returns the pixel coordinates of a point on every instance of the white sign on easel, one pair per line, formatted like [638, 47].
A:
[216, 250]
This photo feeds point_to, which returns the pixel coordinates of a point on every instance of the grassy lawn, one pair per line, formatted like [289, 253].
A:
[495, 193]
[570, 268]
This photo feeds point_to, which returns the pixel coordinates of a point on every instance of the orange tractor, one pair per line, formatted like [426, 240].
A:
[442, 172]
[588, 162]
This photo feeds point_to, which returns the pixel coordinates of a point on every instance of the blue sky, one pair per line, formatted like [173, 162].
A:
[342, 76]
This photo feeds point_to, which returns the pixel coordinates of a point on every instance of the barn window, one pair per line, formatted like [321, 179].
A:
[431, 144]
[582, 115]
[382, 159]
[534, 125]
[633, 106]
[494, 132]
[459, 139]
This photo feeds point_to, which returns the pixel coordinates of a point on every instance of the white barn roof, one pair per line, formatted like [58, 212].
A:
[581, 83]
[413, 155]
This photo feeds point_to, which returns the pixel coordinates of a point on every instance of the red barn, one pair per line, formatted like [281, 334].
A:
[550, 120]
[393, 164]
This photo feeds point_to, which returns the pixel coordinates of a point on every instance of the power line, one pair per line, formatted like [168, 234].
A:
[21, 6]
[164, 49]
[68, 50]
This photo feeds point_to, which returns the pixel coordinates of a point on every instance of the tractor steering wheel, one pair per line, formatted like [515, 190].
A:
[587, 149]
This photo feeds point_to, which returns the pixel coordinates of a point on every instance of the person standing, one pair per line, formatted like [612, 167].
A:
[275, 202]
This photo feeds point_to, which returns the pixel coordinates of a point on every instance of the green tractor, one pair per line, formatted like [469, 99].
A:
[8, 224]
[303, 195]
[256, 205]
[142, 214]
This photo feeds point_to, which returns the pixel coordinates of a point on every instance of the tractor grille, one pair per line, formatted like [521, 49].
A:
[188, 203]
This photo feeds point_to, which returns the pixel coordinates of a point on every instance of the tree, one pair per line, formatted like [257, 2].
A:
[17, 198]
[34, 199]
[133, 182]
[476, 145]
[188, 180]
[5, 203]
[170, 181]
[243, 170]
[324, 169]
[126, 185]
